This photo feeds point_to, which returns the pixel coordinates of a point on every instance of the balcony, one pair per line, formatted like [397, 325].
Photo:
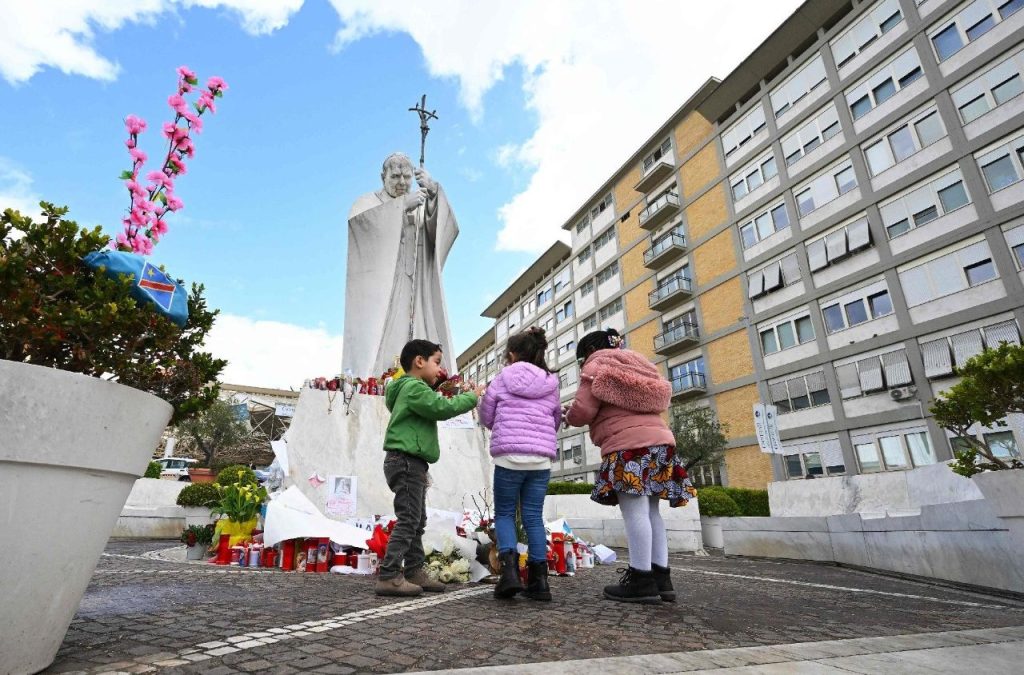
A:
[659, 211]
[688, 384]
[666, 250]
[670, 291]
[655, 176]
[676, 339]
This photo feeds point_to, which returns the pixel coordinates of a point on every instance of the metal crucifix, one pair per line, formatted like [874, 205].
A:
[425, 117]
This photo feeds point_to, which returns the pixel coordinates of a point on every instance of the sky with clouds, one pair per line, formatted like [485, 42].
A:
[538, 102]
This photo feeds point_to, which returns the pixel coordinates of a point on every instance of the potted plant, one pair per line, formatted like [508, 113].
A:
[239, 504]
[197, 539]
[715, 504]
[91, 374]
[198, 500]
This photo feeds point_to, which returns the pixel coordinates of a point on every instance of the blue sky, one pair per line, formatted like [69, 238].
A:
[318, 97]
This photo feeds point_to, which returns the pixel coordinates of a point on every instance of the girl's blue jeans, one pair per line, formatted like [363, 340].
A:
[526, 488]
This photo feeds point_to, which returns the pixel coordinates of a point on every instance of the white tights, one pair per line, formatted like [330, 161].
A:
[645, 531]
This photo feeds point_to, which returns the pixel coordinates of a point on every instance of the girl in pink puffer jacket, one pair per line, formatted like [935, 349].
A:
[622, 396]
[521, 407]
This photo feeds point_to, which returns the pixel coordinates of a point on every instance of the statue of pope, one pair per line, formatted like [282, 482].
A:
[393, 278]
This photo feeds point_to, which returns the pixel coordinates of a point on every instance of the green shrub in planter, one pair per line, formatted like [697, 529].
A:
[236, 474]
[714, 502]
[153, 470]
[752, 503]
[197, 534]
[199, 494]
[561, 487]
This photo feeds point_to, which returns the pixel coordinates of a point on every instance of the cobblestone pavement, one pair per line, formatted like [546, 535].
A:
[142, 613]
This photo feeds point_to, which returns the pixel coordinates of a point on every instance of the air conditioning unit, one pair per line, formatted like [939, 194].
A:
[902, 393]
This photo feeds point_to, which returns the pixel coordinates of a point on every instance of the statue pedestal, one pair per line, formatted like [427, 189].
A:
[333, 443]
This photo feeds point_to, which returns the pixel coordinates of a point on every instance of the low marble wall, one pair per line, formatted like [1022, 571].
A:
[964, 542]
[603, 524]
[151, 511]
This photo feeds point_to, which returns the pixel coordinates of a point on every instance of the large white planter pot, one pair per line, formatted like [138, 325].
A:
[71, 447]
[1004, 493]
[197, 515]
[711, 531]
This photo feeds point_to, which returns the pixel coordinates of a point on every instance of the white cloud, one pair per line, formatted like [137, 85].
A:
[600, 78]
[36, 34]
[16, 190]
[271, 353]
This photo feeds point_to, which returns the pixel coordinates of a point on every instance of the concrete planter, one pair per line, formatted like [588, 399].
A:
[197, 515]
[711, 531]
[197, 552]
[72, 449]
[1004, 492]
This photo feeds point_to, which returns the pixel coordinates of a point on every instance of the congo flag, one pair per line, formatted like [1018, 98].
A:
[151, 284]
[157, 285]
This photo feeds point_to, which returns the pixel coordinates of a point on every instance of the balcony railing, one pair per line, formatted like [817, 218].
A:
[666, 249]
[676, 338]
[657, 174]
[669, 291]
[660, 210]
[688, 384]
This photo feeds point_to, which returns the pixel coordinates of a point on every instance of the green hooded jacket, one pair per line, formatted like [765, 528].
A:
[415, 411]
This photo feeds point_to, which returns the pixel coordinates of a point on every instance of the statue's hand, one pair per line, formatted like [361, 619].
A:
[424, 180]
[414, 200]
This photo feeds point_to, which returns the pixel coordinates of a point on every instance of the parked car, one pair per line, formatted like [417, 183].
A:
[176, 468]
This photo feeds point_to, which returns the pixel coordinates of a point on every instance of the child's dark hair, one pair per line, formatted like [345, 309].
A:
[530, 346]
[414, 348]
[608, 338]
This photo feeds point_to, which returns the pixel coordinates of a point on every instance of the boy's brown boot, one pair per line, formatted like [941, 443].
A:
[421, 579]
[397, 586]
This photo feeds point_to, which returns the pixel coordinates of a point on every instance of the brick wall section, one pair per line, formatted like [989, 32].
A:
[707, 213]
[721, 306]
[730, 357]
[700, 170]
[690, 132]
[714, 258]
[632, 263]
[736, 409]
[636, 302]
[641, 339]
[748, 467]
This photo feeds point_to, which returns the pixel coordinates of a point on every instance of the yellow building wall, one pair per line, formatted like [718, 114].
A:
[690, 132]
[707, 213]
[625, 196]
[632, 265]
[700, 170]
[636, 302]
[736, 409]
[722, 306]
[748, 467]
[714, 257]
[730, 357]
[641, 339]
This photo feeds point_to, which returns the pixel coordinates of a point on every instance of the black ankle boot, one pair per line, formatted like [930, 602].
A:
[664, 581]
[634, 586]
[509, 584]
[537, 584]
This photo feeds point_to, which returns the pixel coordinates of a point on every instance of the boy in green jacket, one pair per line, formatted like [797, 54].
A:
[410, 447]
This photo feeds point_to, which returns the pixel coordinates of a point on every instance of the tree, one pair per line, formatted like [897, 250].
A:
[700, 437]
[217, 428]
[992, 388]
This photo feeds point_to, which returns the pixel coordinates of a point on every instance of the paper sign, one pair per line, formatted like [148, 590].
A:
[284, 409]
[463, 421]
[341, 495]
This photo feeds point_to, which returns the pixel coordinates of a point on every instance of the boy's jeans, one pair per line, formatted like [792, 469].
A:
[407, 477]
[528, 489]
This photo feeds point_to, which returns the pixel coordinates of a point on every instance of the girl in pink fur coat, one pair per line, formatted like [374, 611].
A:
[622, 396]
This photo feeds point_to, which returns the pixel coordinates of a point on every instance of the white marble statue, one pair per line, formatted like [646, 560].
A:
[398, 241]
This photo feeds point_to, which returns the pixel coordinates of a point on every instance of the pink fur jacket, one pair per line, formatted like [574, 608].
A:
[622, 396]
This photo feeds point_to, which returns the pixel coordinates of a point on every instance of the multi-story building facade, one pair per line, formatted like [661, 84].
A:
[832, 228]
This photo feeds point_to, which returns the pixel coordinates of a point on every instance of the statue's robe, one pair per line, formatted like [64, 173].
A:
[381, 277]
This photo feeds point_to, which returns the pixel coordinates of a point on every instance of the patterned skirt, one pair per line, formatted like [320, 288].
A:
[652, 472]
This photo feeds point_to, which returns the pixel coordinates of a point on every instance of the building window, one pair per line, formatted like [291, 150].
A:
[739, 133]
[590, 323]
[608, 273]
[789, 333]
[601, 206]
[562, 280]
[976, 19]
[703, 475]
[604, 238]
[582, 225]
[874, 374]
[804, 465]
[839, 244]
[812, 134]
[544, 297]
[773, 277]
[895, 451]
[565, 311]
[941, 356]
[808, 78]
[799, 393]
[923, 203]
[587, 288]
[610, 309]
[990, 89]
[687, 375]
[884, 83]
[764, 225]
[584, 255]
[566, 346]
[851, 311]
[1003, 165]
[664, 151]
[918, 132]
[1018, 255]
[876, 22]
[824, 187]
[753, 176]
[1002, 444]
[947, 274]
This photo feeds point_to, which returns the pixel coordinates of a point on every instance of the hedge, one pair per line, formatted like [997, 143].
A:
[153, 470]
[229, 475]
[751, 503]
[199, 494]
[714, 502]
[560, 487]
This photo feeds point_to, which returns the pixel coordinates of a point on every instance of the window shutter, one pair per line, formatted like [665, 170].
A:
[835, 243]
[772, 277]
[832, 456]
[1005, 331]
[755, 284]
[859, 234]
[816, 381]
[778, 392]
[849, 382]
[797, 387]
[897, 368]
[938, 361]
[790, 269]
[816, 255]
[870, 375]
[966, 345]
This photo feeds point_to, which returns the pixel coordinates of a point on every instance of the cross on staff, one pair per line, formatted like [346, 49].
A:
[425, 116]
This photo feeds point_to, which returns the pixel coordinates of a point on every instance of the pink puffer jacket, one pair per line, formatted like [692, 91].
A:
[621, 397]
[522, 408]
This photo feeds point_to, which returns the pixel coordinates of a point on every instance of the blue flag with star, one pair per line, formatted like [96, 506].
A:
[151, 285]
